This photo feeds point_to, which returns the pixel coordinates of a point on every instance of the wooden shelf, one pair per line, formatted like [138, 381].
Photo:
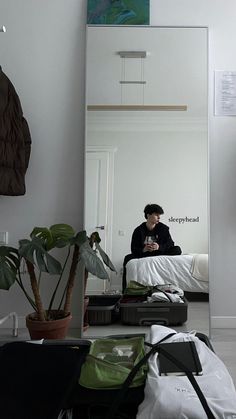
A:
[137, 107]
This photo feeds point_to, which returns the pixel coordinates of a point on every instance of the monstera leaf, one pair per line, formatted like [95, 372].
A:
[105, 257]
[58, 235]
[9, 264]
[35, 252]
[92, 262]
[80, 238]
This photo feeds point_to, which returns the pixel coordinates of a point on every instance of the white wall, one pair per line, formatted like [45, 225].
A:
[43, 54]
[219, 16]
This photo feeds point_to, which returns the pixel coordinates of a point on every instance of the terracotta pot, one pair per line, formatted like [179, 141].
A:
[52, 329]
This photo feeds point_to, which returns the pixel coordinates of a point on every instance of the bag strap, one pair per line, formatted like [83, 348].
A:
[154, 348]
[125, 386]
[193, 381]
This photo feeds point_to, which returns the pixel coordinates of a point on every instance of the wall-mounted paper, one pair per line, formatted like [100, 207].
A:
[118, 12]
[225, 93]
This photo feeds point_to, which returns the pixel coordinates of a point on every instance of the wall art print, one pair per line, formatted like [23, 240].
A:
[118, 12]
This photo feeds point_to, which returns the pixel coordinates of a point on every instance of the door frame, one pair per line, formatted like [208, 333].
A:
[110, 151]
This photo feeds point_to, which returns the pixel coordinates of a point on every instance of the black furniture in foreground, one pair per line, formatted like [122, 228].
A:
[37, 380]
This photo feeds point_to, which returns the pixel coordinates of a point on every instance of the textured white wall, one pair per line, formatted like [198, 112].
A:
[42, 53]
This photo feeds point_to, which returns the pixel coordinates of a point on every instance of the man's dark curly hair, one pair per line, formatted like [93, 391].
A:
[151, 208]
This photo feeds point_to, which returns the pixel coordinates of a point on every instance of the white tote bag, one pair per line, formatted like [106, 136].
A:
[173, 397]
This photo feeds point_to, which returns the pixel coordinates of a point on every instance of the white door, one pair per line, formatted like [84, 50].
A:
[97, 207]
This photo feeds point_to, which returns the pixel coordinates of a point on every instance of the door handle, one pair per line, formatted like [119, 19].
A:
[100, 227]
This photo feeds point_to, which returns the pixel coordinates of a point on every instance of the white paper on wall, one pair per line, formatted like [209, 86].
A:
[225, 93]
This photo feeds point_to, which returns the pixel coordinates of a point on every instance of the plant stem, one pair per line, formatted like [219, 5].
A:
[85, 279]
[64, 292]
[58, 283]
[35, 289]
[20, 283]
[39, 279]
[71, 279]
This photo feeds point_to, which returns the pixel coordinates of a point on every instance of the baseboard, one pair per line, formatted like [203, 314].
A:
[223, 322]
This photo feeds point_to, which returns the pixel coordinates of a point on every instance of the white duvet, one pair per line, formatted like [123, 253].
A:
[188, 272]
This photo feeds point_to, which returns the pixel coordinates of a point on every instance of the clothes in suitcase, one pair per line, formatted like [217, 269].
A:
[145, 313]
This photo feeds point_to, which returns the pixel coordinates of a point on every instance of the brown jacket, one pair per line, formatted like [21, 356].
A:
[15, 140]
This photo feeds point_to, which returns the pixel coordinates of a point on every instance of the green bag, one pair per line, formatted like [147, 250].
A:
[110, 361]
[135, 288]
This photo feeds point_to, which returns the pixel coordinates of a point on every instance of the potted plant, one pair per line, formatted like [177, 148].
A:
[41, 263]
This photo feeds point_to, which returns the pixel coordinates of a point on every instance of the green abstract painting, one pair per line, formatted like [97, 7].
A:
[118, 12]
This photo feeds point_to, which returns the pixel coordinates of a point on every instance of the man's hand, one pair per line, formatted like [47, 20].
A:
[155, 246]
[151, 247]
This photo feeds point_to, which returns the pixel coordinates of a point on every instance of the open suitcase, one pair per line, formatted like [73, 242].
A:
[96, 404]
[144, 306]
[89, 403]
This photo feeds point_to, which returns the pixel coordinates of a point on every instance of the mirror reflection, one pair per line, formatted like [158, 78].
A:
[147, 143]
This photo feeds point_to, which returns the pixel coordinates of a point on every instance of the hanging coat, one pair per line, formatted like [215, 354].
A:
[15, 140]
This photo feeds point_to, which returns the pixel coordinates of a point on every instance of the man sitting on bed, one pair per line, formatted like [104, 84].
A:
[151, 238]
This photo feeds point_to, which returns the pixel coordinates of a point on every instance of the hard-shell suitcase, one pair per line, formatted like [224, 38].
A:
[103, 309]
[145, 313]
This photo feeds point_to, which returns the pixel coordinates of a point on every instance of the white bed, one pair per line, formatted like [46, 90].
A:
[188, 272]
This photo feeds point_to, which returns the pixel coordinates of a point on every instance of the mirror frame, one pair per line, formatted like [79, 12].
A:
[81, 285]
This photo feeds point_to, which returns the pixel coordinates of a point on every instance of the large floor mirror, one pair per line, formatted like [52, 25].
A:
[146, 137]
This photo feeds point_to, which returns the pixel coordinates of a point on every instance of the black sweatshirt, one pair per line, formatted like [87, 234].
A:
[160, 235]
